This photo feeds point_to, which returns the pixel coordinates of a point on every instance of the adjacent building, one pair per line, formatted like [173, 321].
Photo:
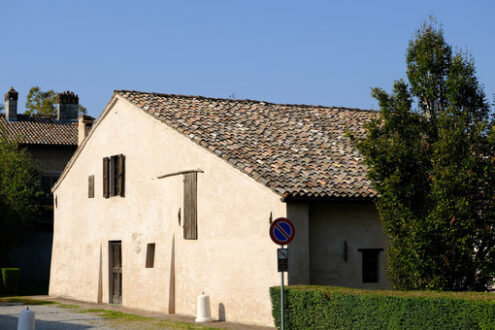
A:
[170, 196]
[51, 141]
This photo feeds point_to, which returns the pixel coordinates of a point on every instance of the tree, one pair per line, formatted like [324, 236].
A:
[19, 194]
[431, 158]
[43, 102]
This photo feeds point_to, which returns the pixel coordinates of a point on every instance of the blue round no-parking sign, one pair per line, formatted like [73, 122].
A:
[282, 231]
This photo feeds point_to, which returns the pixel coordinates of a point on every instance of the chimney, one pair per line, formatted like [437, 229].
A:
[68, 106]
[11, 105]
[84, 125]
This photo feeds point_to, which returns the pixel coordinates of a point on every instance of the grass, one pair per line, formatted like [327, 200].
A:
[141, 322]
[25, 301]
[114, 318]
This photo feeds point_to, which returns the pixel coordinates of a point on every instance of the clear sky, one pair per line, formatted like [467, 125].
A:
[312, 52]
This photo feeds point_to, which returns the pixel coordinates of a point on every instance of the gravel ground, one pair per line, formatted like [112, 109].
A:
[51, 317]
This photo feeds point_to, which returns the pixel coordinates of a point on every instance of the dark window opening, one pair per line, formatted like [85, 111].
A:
[370, 267]
[150, 255]
[114, 176]
[190, 206]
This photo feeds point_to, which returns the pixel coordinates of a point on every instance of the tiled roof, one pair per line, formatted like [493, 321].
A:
[298, 151]
[40, 130]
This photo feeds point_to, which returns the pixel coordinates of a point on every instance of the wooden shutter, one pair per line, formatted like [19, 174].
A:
[106, 166]
[91, 186]
[121, 175]
[190, 206]
[112, 174]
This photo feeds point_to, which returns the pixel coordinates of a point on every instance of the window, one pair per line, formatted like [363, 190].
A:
[91, 186]
[190, 206]
[370, 264]
[114, 176]
[150, 255]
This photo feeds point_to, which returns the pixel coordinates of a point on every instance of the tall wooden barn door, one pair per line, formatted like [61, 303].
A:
[116, 272]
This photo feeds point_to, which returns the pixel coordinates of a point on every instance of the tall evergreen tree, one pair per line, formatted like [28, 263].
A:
[431, 158]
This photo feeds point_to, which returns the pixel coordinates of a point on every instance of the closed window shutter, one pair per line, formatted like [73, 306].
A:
[91, 186]
[121, 175]
[112, 173]
[106, 165]
[190, 206]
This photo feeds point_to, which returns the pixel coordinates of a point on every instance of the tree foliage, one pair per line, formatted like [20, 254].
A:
[19, 194]
[43, 102]
[431, 158]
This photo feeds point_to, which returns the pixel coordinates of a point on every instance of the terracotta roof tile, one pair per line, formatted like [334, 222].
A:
[40, 130]
[295, 150]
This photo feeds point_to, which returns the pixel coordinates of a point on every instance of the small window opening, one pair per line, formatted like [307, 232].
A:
[370, 258]
[150, 255]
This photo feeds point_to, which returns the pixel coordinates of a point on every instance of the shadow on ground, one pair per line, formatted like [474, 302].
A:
[10, 322]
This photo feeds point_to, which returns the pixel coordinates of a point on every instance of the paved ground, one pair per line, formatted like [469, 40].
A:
[53, 317]
[50, 317]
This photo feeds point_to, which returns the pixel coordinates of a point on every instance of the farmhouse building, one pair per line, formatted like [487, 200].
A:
[50, 141]
[170, 196]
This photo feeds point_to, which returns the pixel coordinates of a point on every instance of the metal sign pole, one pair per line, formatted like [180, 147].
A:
[282, 301]
[282, 232]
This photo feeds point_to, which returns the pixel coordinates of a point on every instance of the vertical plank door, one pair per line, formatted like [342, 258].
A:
[116, 272]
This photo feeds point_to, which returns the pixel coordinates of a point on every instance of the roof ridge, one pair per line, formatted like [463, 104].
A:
[242, 100]
[294, 156]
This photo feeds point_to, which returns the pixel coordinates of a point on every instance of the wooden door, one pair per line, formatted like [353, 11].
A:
[116, 272]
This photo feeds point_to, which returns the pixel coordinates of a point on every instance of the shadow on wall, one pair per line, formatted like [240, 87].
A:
[10, 322]
[221, 312]
[171, 297]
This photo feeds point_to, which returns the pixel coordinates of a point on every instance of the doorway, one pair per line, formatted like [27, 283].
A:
[115, 286]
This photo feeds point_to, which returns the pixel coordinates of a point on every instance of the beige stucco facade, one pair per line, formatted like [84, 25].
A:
[233, 260]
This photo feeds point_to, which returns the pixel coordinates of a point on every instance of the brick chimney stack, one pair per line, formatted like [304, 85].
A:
[11, 104]
[84, 125]
[68, 106]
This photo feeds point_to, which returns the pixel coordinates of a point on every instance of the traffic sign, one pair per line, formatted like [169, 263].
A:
[283, 260]
[282, 231]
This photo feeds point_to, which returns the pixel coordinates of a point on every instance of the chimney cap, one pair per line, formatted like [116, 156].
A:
[67, 97]
[85, 118]
[11, 94]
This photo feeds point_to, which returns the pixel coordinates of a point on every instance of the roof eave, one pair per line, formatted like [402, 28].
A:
[289, 199]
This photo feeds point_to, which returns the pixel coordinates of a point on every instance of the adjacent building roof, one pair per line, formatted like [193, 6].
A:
[40, 130]
[298, 151]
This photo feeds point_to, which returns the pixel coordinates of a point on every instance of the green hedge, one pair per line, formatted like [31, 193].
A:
[10, 280]
[318, 307]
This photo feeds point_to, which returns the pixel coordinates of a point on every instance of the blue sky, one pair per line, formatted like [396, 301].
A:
[312, 52]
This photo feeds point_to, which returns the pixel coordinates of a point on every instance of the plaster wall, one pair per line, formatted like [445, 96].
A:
[299, 253]
[52, 159]
[233, 260]
[333, 225]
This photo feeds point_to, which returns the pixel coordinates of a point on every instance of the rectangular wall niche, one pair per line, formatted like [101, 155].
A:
[150, 255]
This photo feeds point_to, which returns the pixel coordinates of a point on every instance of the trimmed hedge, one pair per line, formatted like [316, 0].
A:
[324, 307]
[10, 280]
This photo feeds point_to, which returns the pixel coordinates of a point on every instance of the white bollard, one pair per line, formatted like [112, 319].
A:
[26, 320]
[203, 314]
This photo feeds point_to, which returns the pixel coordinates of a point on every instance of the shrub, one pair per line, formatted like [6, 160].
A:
[10, 280]
[323, 307]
